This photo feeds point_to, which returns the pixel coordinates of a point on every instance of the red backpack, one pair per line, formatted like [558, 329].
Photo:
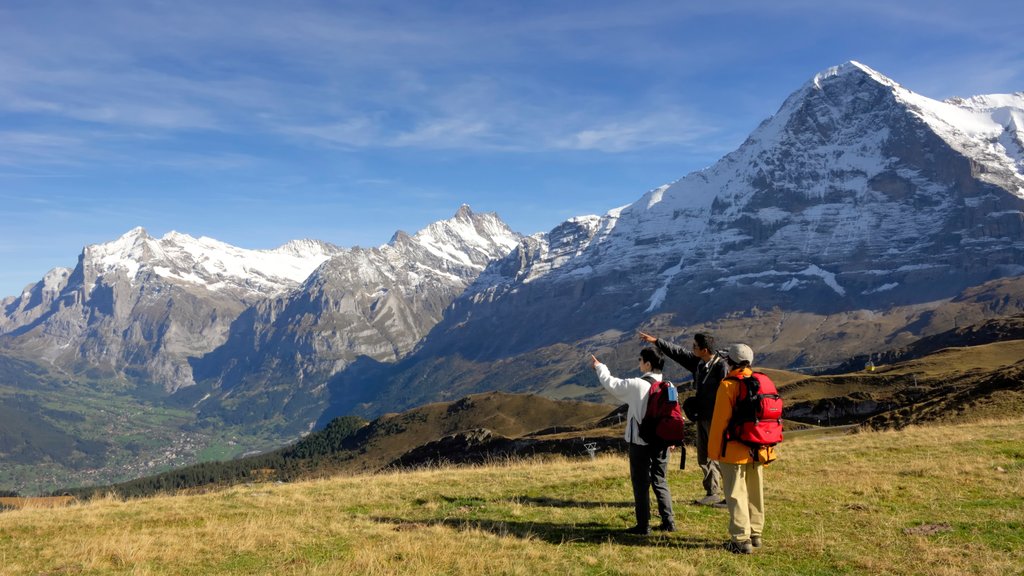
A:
[757, 417]
[663, 422]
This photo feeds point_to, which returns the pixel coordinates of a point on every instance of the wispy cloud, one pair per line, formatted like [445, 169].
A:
[354, 77]
[18, 148]
[440, 76]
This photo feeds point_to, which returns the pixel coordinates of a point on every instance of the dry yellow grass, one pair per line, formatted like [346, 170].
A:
[42, 502]
[835, 506]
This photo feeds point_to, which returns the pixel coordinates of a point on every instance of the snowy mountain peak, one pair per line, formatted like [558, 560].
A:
[207, 262]
[853, 68]
[468, 238]
[307, 248]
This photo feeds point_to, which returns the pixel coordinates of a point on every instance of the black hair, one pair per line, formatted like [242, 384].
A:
[653, 357]
[704, 341]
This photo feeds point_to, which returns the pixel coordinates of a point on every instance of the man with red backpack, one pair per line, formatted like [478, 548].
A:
[708, 369]
[648, 463]
[743, 445]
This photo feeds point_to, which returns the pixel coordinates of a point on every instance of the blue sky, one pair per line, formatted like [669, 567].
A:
[258, 122]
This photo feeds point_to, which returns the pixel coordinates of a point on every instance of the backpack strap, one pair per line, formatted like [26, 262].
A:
[731, 426]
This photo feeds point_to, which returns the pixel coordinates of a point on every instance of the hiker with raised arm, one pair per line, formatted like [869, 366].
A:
[647, 464]
[708, 369]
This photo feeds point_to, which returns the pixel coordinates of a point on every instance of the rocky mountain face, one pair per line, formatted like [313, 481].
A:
[376, 303]
[137, 308]
[857, 194]
[173, 310]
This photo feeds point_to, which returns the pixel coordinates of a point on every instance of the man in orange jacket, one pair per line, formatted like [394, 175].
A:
[741, 465]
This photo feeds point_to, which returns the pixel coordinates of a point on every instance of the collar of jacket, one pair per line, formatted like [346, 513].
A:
[740, 373]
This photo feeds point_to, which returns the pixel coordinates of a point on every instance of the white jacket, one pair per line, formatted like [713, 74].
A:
[634, 392]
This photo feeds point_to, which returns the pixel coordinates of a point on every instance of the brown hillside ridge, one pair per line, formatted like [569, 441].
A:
[987, 332]
[954, 384]
[480, 418]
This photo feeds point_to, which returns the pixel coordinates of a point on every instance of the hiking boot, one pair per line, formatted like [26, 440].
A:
[720, 504]
[739, 547]
[708, 500]
[666, 527]
[755, 540]
[637, 531]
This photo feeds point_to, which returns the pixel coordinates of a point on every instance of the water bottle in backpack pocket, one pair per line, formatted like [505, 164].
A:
[663, 421]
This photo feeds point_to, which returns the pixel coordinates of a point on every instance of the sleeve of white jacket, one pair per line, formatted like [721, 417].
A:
[631, 391]
[624, 389]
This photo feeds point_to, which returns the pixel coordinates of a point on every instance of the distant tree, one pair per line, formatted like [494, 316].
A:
[335, 437]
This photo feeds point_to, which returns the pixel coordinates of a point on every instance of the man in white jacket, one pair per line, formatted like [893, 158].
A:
[647, 464]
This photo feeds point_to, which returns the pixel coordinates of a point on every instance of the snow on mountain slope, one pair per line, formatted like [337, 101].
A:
[209, 263]
[377, 303]
[817, 179]
[144, 306]
[467, 239]
[856, 193]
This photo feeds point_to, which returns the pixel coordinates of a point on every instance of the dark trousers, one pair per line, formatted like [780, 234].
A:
[710, 468]
[647, 468]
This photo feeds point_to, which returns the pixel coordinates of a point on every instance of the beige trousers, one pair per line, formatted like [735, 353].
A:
[743, 485]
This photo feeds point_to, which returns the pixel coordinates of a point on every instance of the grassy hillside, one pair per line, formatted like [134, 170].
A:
[514, 423]
[932, 500]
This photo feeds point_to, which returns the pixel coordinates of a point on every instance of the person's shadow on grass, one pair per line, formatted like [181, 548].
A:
[555, 533]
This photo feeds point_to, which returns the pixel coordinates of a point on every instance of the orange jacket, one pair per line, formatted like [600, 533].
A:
[735, 452]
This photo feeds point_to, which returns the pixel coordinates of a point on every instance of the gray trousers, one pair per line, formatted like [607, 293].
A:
[710, 468]
[647, 470]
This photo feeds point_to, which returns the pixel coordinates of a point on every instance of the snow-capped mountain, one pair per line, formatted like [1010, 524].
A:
[377, 302]
[208, 263]
[857, 194]
[138, 307]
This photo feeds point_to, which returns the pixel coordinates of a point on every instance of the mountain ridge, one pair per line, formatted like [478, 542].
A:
[139, 308]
